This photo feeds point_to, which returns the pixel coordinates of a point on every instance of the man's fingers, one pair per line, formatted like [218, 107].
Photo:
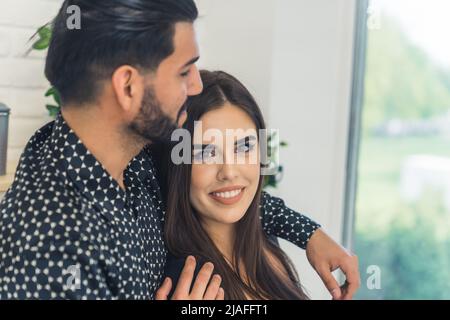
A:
[221, 294]
[213, 288]
[353, 279]
[350, 290]
[200, 284]
[164, 290]
[330, 282]
[184, 283]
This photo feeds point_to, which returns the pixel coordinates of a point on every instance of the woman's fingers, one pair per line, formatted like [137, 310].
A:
[164, 290]
[200, 286]
[221, 294]
[201, 282]
[213, 288]
[184, 283]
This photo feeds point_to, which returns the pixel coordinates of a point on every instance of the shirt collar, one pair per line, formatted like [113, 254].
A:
[78, 164]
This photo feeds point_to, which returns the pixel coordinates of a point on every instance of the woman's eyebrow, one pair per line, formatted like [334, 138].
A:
[242, 140]
[245, 139]
[203, 146]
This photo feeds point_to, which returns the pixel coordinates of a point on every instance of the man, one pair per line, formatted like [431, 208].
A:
[83, 218]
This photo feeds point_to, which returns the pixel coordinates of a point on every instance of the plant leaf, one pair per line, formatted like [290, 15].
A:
[52, 110]
[55, 94]
[50, 92]
[57, 97]
[45, 32]
[41, 44]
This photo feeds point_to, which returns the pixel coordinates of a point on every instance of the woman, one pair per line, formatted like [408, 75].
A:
[213, 204]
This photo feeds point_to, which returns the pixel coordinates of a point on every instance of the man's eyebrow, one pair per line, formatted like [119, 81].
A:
[192, 61]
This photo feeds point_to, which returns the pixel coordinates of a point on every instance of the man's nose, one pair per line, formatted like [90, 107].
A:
[195, 84]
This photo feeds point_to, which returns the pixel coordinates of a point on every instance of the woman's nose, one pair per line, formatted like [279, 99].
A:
[227, 171]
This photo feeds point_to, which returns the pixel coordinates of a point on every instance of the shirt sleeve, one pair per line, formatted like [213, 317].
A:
[283, 222]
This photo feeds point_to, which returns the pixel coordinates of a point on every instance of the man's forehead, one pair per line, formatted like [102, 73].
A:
[185, 43]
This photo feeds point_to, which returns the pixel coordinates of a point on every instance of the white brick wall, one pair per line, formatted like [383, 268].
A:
[22, 80]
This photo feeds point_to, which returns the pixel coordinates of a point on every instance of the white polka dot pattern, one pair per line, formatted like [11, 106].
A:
[64, 210]
[278, 220]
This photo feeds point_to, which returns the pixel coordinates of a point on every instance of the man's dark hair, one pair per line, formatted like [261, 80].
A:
[113, 33]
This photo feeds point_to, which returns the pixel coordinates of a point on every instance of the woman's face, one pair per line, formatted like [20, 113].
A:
[225, 180]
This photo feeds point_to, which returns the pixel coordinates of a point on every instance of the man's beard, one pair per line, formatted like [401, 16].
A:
[152, 124]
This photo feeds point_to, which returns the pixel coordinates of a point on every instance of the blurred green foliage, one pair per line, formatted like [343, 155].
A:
[409, 241]
[401, 81]
[413, 255]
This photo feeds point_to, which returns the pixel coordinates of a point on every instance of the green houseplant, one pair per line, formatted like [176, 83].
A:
[41, 42]
[272, 152]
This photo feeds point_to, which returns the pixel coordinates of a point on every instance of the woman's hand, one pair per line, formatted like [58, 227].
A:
[200, 291]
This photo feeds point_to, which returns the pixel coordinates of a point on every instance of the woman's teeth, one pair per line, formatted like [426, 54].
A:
[228, 194]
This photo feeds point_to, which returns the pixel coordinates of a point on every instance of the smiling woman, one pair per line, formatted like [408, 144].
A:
[213, 206]
[223, 191]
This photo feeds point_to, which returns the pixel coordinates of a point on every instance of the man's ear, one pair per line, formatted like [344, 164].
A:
[128, 86]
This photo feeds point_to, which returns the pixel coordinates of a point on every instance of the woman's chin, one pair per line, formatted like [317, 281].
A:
[229, 216]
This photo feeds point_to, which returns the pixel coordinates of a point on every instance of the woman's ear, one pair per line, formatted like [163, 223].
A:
[128, 86]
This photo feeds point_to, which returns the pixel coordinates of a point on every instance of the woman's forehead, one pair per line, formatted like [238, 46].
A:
[226, 118]
[225, 135]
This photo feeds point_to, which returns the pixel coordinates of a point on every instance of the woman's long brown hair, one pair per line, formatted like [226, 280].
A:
[184, 233]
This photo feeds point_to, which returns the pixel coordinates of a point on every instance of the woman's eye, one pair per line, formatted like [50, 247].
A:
[244, 148]
[209, 152]
[198, 156]
[206, 153]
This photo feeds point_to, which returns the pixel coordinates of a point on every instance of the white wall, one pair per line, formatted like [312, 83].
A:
[237, 36]
[22, 80]
[311, 87]
[296, 57]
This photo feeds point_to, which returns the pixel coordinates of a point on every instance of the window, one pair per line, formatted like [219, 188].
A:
[398, 192]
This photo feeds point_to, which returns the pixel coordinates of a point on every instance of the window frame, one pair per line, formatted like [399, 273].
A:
[355, 121]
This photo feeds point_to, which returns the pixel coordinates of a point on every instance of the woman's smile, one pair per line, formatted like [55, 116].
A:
[228, 195]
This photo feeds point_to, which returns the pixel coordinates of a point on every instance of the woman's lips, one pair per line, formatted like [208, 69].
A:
[228, 196]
